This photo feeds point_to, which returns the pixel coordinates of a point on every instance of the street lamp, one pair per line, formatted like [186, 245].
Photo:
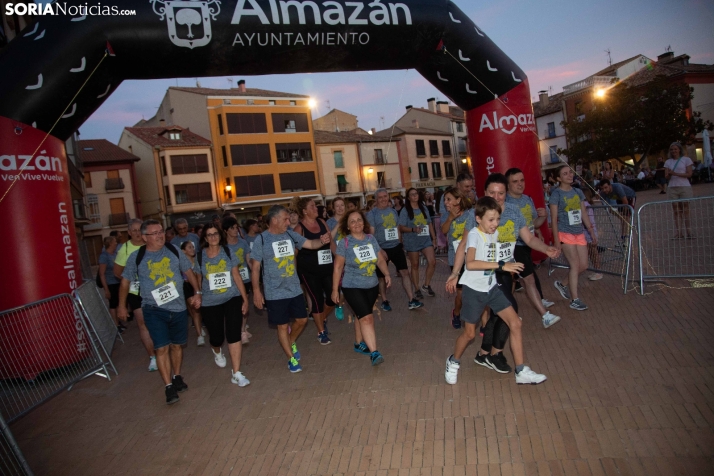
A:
[600, 93]
[311, 103]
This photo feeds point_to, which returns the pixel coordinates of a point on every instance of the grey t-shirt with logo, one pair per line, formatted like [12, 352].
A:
[413, 241]
[108, 258]
[359, 273]
[177, 241]
[466, 222]
[210, 269]
[525, 204]
[277, 253]
[569, 209]
[381, 220]
[241, 252]
[158, 270]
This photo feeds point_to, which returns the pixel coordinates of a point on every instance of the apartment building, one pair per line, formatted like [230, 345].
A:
[548, 113]
[264, 152]
[175, 175]
[111, 191]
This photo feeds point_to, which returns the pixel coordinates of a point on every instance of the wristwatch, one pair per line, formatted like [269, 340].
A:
[198, 292]
[500, 265]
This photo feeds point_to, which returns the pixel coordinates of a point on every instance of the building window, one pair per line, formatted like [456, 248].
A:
[220, 124]
[554, 154]
[226, 101]
[297, 182]
[436, 170]
[271, 102]
[421, 150]
[295, 152]
[423, 170]
[381, 183]
[250, 154]
[250, 102]
[290, 123]
[459, 127]
[88, 179]
[339, 162]
[449, 169]
[93, 204]
[254, 185]
[293, 103]
[193, 192]
[378, 156]
[167, 194]
[246, 123]
[434, 148]
[162, 164]
[174, 136]
[551, 129]
[341, 184]
[446, 147]
[225, 156]
[189, 164]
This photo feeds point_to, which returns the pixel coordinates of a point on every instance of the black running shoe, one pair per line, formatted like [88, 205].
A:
[482, 360]
[178, 383]
[171, 395]
[499, 363]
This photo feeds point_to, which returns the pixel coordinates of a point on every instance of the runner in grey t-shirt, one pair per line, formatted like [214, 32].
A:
[182, 234]
[275, 250]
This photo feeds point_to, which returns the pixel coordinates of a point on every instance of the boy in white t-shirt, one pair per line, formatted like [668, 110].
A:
[480, 291]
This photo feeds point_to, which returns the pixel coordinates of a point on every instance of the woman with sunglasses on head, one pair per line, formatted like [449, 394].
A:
[225, 300]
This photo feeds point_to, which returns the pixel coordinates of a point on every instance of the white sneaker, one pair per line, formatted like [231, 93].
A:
[201, 341]
[219, 358]
[239, 378]
[152, 365]
[595, 277]
[549, 319]
[547, 304]
[203, 332]
[528, 377]
[245, 337]
[452, 371]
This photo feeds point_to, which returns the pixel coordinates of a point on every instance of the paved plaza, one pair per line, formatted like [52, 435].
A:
[630, 391]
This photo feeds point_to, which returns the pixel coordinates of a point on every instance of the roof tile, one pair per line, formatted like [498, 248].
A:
[96, 151]
[156, 136]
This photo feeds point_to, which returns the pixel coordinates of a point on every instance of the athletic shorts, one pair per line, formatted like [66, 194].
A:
[677, 193]
[113, 295]
[361, 300]
[319, 289]
[166, 327]
[284, 311]
[474, 302]
[461, 273]
[522, 254]
[395, 255]
[571, 239]
[188, 291]
[133, 301]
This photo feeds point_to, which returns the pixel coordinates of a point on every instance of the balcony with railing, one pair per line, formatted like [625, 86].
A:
[593, 81]
[118, 219]
[114, 185]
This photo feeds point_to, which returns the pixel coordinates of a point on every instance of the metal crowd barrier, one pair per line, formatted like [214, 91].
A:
[45, 347]
[670, 249]
[613, 253]
[12, 462]
[101, 325]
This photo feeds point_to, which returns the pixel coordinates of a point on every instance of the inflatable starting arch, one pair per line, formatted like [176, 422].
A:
[58, 71]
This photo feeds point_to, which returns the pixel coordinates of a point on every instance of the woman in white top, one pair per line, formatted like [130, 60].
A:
[678, 169]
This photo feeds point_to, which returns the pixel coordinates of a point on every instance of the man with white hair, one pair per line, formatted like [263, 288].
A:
[182, 234]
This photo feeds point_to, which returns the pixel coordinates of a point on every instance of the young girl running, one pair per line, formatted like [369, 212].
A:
[189, 249]
[480, 291]
[418, 237]
[568, 213]
[461, 219]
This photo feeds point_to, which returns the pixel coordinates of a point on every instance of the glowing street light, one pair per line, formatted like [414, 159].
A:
[600, 93]
[311, 103]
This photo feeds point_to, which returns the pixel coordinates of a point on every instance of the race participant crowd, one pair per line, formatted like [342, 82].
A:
[303, 264]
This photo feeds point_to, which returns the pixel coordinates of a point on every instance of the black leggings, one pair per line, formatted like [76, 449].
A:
[496, 332]
[224, 322]
[319, 289]
[537, 281]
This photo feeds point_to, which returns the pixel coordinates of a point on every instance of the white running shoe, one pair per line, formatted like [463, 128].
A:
[452, 371]
[201, 341]
[245, 337]
[547, 304]
[549, 319]
[527, 377]
[203, 332]
[152, 364]
[595, 277]
[219, 358]
[239, 378]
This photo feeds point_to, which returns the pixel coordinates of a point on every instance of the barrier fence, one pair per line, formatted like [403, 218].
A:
[101, 325]
[676, 239]
[12, 462]
[613, 252]
[45, 347]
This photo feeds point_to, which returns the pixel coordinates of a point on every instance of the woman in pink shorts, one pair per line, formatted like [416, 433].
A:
[568, 214]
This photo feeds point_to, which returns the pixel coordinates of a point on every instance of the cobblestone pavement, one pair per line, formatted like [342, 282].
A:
[630, 391]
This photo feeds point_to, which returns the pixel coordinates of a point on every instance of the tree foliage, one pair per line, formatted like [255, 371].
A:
[630, 121]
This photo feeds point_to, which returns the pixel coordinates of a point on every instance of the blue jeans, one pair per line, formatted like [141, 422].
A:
[166, 327]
